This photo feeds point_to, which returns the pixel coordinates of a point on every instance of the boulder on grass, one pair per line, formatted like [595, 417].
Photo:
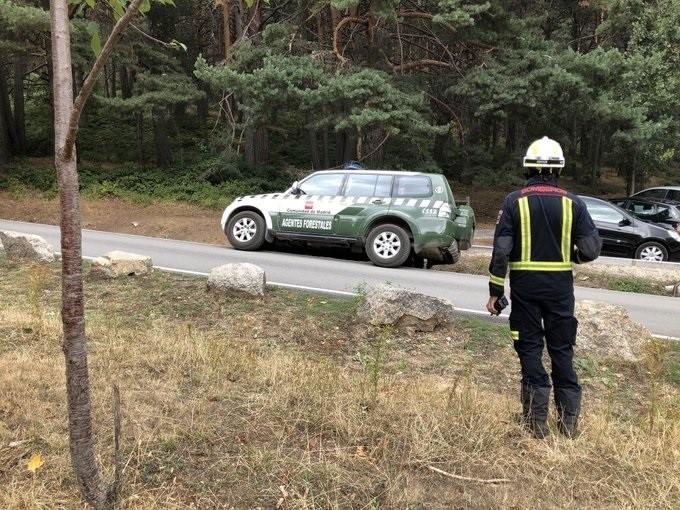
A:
[385, 305]
[119, 263]
[608, 331]
[26, 246]
[243, 277]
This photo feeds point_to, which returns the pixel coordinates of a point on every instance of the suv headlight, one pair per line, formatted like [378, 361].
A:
[674, 235]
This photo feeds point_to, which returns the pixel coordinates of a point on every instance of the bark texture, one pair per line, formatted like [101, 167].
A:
[66, 120]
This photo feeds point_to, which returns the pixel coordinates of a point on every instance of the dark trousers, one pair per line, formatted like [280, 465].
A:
[533, 320]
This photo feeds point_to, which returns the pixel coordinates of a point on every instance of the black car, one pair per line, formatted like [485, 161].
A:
[663, 192]
[662, 211]
[624, 235]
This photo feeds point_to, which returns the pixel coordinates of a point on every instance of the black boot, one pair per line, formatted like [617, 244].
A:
[535, 400]
[568, 404]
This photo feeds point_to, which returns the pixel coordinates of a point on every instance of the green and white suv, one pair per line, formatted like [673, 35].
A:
[391, 215]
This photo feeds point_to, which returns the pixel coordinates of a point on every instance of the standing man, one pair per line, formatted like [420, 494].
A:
[541, 230]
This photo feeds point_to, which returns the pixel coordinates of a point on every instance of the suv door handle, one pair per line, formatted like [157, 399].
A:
[377, 201]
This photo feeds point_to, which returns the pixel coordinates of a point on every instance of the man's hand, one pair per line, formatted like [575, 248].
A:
[491, 305]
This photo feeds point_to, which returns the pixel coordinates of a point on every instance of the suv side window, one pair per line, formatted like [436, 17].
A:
[652, 193]
[368, 185]
[323, 184]
[413, 186]
[360, 185]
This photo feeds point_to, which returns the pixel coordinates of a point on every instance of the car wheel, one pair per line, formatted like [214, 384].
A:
[652, 252]
[388, 245]
[454, 250]
[246, 231]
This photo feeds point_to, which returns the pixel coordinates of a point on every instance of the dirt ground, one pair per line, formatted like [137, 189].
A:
[170, 220]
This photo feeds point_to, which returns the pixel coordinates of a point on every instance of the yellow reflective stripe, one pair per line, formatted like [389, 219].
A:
[496, 279]
[540, 266]
[525, 223]
[514, 335]
[567, 219]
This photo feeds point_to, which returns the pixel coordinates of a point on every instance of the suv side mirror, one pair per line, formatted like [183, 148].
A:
[295, 188]
[624, 222]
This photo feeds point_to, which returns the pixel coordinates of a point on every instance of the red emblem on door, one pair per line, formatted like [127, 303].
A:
[309, 205]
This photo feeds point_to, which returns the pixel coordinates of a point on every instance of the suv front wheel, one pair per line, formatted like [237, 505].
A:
[246, 231]
[388, 245]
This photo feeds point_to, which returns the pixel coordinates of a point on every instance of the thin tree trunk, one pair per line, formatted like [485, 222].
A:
[139, 118]
[66, 120]
[125, 83]
[6, 112]
[339, 147]
[326, 154]
[161, 140]
[314, 148]
[19, 109]
[595, 157]
[350, 145]
[256, 146]
[113, 78]
[5, 152]
[81, 442]
[571, 154]
[225, 6]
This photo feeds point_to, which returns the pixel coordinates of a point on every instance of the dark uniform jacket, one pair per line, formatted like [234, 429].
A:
[541, 230]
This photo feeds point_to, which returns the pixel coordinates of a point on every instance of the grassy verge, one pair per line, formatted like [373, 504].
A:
[584, 276]
[233, 402]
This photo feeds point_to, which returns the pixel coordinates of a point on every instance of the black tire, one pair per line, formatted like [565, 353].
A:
[246, 220]
[645, 250]
[391, 234]
[454, 250]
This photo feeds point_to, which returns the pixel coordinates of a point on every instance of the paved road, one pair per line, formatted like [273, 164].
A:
[467, 292]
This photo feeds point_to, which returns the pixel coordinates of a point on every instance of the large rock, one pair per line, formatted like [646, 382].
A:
[26, 246]
[385, 305]
[607, 330]
[119, 263]
[244, 277]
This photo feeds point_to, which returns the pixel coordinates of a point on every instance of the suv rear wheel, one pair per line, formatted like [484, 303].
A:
[246, 231]
[388, 245]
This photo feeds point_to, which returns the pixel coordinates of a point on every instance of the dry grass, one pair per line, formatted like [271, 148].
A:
[245, 403]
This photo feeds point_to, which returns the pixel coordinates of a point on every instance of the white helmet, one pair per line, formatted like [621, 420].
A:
[544, 153]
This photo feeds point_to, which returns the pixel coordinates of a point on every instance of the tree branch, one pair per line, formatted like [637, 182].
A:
[425, 62]
[149, 36]
[423, 15]
[336, 34]
[468, 478]
[66, 152]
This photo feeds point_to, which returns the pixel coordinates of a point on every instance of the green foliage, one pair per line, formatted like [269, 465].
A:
[457, 86]
[634, 285]
[129, 182]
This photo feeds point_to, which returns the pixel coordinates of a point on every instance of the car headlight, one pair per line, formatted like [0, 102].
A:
[675, 235]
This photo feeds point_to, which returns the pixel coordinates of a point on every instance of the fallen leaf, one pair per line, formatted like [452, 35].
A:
[35, 463]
